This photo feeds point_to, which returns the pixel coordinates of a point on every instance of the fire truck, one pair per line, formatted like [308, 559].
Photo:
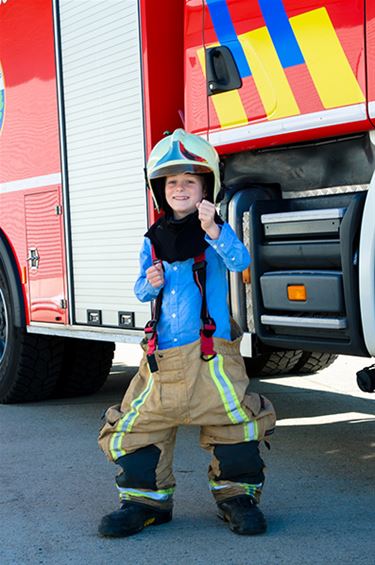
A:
[284, 89]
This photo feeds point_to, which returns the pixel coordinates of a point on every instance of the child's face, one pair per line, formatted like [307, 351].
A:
[183, 192]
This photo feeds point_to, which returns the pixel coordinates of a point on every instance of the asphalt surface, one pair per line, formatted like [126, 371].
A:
[319, 496]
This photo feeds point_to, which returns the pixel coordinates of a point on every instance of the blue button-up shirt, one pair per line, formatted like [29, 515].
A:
[180, 322]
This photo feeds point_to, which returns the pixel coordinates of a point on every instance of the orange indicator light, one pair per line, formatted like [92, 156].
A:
[246, 276]
[24, 275]
[297, 292]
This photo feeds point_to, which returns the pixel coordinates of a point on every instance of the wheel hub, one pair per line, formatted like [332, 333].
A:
[3, 326]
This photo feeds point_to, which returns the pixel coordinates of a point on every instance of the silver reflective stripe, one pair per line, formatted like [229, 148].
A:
[159, 495]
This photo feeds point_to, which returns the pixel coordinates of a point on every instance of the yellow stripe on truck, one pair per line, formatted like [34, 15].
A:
[326, 60]
[269, 76]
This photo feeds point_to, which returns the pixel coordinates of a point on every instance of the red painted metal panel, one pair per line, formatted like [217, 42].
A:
[196, 103]
[162, 66]
[44, 240]
[29, 149]
[162, 26]
[273, 42]
[29, 142]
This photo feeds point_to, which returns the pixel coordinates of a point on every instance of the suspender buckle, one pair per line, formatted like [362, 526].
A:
[151, 338]
[197, 266]
[209, 327]
[207, 342]
[150, 328]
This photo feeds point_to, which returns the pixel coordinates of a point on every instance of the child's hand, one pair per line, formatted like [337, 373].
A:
[155, 275]
[206, 214]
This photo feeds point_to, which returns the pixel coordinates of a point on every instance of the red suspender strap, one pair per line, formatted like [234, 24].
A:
[153, 255]
[208, 324]
[151, 334]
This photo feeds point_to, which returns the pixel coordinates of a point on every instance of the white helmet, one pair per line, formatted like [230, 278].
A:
[182, 152]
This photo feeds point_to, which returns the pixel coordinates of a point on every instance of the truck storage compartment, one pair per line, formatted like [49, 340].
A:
[105, 155]
[305, 272]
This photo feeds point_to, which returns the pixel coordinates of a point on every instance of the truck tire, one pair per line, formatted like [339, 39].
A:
[85, 367]
[29, 364]
[274, 363]
[313, 361]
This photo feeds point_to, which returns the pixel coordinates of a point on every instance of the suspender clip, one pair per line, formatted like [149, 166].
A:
[199, 265]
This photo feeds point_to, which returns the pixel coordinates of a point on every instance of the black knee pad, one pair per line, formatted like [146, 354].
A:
[139, 468]
[240, 462]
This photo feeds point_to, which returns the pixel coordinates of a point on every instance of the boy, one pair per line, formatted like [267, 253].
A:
[192, 372]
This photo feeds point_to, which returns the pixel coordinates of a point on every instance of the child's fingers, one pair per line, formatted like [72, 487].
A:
[155, 275]
[206, 212]
[206, 207]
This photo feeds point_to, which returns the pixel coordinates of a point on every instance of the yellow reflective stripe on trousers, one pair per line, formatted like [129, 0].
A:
[228, 395]
[226, 390]
[127, 421]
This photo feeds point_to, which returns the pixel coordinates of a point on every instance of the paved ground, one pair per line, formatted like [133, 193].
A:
[319, 497]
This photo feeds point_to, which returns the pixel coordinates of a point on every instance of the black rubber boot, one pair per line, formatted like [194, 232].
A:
[243, 515]
[131, 518]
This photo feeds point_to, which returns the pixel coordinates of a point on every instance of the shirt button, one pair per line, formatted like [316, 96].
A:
[173, 291]
[233, 258]
[215, 246]
[173, 315]
[175, 268]
[175, 339]
[221, 244]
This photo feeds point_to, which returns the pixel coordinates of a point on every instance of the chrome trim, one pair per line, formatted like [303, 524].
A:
[314, 120]
[303, 215]
[85, 332]
[234, 292]
[367, 270]
[246, 345]
[64, 172]
[302, 322]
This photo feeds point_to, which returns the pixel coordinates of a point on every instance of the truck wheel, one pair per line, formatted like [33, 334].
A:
[29, 364]
[312, 362]
[274, 363]
[85, 367]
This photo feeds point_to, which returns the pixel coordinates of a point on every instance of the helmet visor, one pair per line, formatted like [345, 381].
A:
[178, 168]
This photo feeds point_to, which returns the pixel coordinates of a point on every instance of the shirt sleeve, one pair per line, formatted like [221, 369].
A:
[232, 251]
[143, 290]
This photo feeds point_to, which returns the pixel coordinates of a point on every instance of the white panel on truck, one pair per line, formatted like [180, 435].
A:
[101, 69]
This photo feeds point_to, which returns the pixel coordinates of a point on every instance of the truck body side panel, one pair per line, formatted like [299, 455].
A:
[29, 140]
[302, 66]
[104, 130]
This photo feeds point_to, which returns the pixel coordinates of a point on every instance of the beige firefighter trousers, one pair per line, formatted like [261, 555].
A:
[187, 390]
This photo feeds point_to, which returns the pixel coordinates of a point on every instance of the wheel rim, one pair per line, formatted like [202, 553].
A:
[3, 326]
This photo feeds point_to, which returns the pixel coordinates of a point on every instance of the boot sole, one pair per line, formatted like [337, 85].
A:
[127, 532]
[261, 529]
